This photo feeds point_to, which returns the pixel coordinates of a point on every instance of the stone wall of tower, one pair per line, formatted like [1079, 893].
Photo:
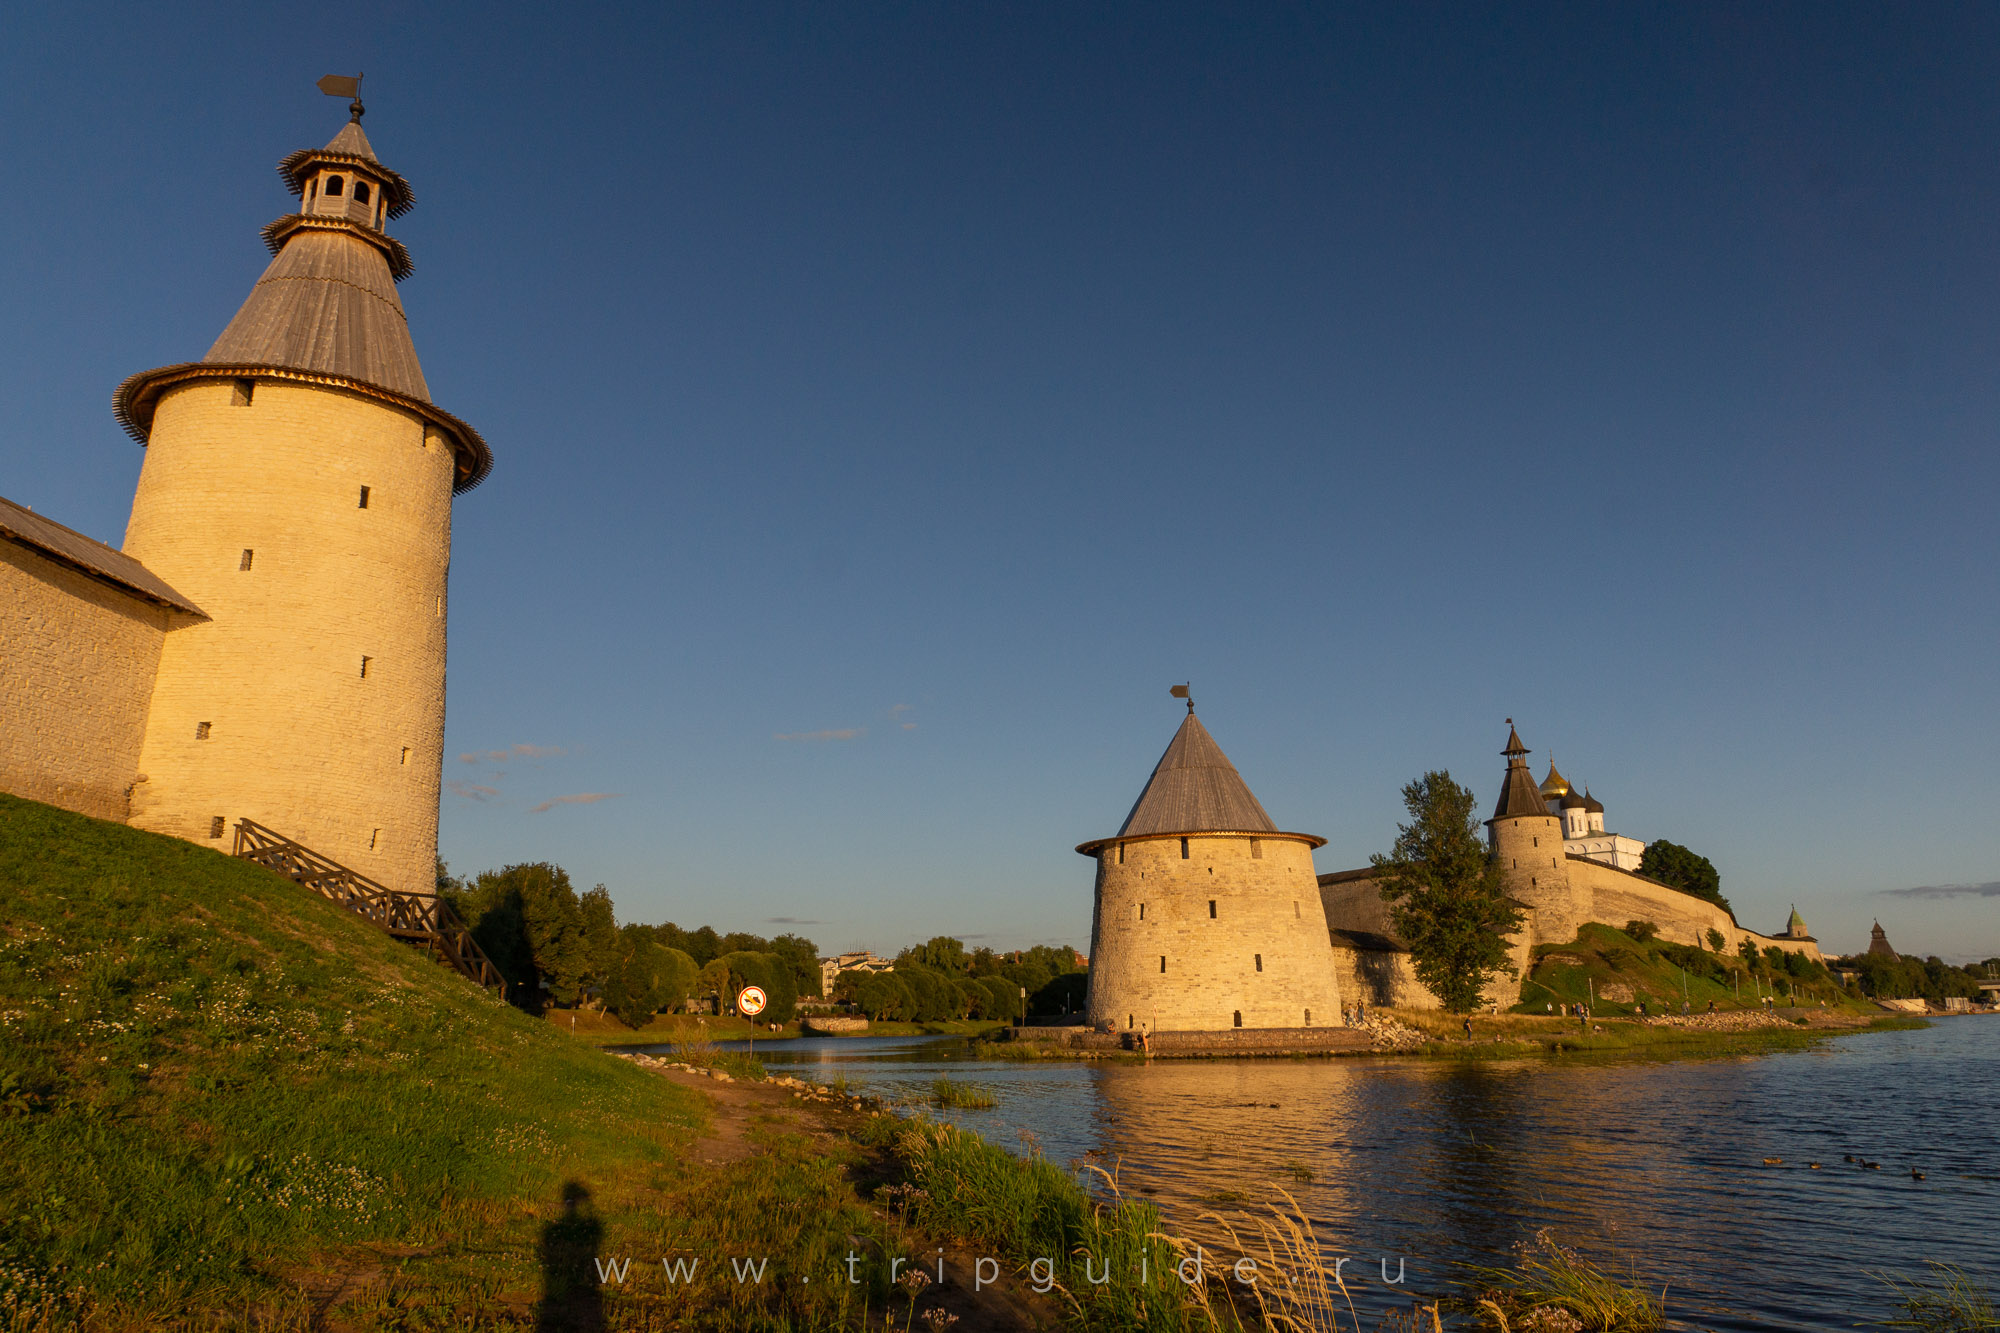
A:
[76, 677]
[299, 738]
[1153, 904]
[1535, 870]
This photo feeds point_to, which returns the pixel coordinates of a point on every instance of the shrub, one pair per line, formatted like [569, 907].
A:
[1716, 940]
[1642, 930]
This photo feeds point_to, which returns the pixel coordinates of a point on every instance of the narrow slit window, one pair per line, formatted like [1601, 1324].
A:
[1128, 1020]
[201, 731]
[1536, 842]
[1163, 962]
[364, 666]
[1121, 853]
[406, 754]
[1295, 907]
[248, 556]
[1309, 1018]
[215, 826]
[1260, 961]
[1256, 849]
[373, 837]
[1142, 911]
[364, 497]
[1237, 1020]
[1211, 909]
[1184, 849]
[241, 392]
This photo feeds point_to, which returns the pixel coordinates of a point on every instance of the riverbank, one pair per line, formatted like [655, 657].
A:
[666, 1029]
[1433, 1033]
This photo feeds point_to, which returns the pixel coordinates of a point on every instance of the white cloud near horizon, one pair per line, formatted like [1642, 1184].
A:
[579, 798]
[471, 791]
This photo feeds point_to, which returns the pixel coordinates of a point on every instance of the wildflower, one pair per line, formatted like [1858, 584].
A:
[938, 1319]
[914, 1281]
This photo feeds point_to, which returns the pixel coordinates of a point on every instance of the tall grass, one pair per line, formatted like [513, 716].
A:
[962, 1096]
[1108, 1261]
[1296, 1290]
[1949, 1301]
[1552, 1287]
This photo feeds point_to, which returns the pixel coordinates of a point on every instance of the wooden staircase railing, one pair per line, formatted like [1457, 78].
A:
[415, 918]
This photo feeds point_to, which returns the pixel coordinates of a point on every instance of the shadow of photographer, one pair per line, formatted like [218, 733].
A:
[571, 1300]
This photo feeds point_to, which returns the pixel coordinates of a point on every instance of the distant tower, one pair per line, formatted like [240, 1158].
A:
[297, 486]
[1207, 916]
[1878, 943]
[1527, 841]
[1575, 815]
[1795, 929]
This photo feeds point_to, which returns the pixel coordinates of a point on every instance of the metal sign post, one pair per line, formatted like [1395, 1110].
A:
[750, 1003]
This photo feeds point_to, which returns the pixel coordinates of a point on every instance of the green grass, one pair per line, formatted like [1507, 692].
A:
[221, 1097]
[1549, 1279]
[1950, 1300]
[962, 1096]
[1605, 957]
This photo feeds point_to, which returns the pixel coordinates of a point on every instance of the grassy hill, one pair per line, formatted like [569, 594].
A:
[1620, 973]
[224, 1100]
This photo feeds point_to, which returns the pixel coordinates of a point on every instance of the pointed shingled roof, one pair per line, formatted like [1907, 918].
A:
[1518, 793]
[350, 145]
[1195, 789]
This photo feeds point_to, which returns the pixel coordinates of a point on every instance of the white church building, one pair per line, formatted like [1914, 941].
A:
[1584, 833]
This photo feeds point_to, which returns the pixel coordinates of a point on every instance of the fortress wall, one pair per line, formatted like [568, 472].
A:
[1266, 903]
[75, 681]
[299, 740]
[1621, 896]
[1379, 978]
[1372, 963]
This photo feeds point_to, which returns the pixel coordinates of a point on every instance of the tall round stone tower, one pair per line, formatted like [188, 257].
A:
[1527, 841]
[297, 486]
[1207, 917]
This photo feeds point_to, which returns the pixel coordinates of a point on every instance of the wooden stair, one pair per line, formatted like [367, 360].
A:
[415, 918]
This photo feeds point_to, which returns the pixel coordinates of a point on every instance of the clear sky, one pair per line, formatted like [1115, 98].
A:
[891, 402]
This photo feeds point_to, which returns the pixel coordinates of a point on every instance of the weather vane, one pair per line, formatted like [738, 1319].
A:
[1184, 692]
[345, 85]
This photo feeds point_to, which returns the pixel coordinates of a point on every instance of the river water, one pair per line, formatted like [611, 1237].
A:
[1650, 1166]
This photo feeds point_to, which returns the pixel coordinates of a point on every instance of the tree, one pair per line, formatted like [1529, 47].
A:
[1716, 940]
[802, 956]
[528, 920]
[1678, 868]
[646, 978]
[1444, 894]
[602, 949]
[1642, 930]
[942, 954]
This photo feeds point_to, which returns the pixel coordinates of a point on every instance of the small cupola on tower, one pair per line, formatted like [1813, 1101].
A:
[1575, 815]
[1593, 810]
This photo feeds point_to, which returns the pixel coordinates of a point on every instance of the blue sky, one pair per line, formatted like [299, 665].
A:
[891, 402]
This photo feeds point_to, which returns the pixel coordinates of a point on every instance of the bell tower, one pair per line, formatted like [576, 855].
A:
[298, 484]
[1527, 842]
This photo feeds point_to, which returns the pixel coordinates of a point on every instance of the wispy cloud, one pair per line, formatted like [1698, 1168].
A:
[511, 752]
[580, 798]
[471, 791]
[793, 921]
[899, 710]
[909, 726]
[1990, 889]
[842, 734]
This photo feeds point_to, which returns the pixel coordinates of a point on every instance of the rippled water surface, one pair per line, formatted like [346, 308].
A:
[1658, 1163]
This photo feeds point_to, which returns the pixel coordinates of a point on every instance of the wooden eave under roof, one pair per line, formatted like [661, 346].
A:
[139, 395]
[278, 231]
[88, 556]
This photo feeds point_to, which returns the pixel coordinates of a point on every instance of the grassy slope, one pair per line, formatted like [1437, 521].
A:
[1607, 956]
[217, 1078]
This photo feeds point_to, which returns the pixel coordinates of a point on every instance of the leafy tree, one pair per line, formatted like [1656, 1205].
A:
[1677, 867]
[529, 922]
[1444, 893]
[941, 954]
[602, 949]
[647, 977]
[746, 967]
[802, 956]
[882, 996]
[1641, 930]
[1716, 940]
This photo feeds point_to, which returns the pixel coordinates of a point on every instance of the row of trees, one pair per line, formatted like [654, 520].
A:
[1931, 979]
[938, 981]
[557, 946]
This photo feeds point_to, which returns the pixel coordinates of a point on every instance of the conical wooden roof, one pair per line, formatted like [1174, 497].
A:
[1195, 789]
[327, 306]
[1519, 794]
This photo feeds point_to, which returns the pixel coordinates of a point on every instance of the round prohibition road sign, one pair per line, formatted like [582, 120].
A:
[750, 1001]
